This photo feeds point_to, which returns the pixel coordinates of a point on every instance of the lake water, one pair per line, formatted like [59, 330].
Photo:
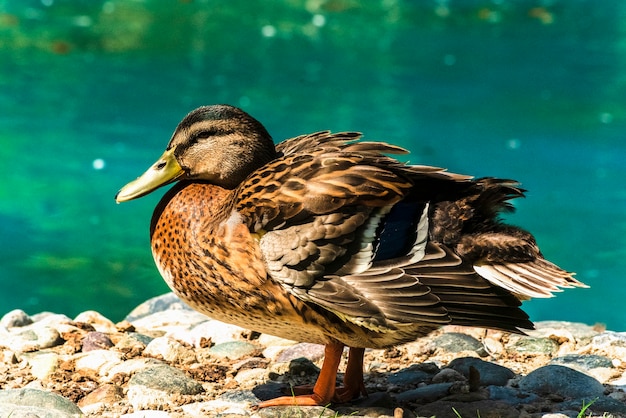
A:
[90, 92]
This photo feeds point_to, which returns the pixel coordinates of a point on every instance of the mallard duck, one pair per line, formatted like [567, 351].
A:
[325, 238]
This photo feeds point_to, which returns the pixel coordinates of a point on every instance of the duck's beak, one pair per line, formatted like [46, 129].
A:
[164, 171]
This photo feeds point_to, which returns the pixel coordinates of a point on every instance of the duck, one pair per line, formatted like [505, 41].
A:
[330, 239]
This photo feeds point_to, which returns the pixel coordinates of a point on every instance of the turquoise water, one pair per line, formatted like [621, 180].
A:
[90, 92]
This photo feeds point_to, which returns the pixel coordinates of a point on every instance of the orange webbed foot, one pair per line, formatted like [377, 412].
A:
[324, 392]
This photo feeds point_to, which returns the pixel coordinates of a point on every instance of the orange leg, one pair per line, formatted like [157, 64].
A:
[324, 389]
[353, 385]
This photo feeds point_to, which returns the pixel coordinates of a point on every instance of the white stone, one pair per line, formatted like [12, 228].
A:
[129, 367]
[42, 364]
[218, 332]
[170, 350]
[97, 320]
[169, 321]
[251, 378]
[31, 338]
[99, 361]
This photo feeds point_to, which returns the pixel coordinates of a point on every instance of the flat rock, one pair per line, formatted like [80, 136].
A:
[535, 345]
[562, 381]
[456, 342]
[167, 379]
[32, 337]
[233, 349]
[410, 376]
[425, 393]
[157, 387]
[583, 362]
[490, 373]
[511, 395]
[40, 403]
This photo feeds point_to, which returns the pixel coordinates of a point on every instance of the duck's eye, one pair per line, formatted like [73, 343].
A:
[204, 134]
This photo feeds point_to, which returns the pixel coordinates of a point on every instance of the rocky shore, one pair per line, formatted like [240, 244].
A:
[166, 360]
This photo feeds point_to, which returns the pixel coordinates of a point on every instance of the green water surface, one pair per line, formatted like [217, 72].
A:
[90, 92]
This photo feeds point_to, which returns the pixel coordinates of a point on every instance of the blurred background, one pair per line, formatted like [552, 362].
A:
[90, 91]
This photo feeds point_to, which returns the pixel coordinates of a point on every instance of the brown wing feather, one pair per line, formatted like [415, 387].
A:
[317, 209]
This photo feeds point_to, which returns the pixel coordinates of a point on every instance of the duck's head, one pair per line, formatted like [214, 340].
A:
[219, 144]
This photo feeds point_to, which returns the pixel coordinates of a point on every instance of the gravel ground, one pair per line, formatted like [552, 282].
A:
[166, 360]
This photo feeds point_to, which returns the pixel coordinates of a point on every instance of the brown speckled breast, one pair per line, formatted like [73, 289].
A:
[213, 262]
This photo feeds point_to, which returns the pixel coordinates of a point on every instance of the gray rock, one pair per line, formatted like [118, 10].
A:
[15, 318]
[239, 396]
[532, 345]
[583, 362]
[481, 408]
[133, 343]
[35, 402]
[511, 395]
[425, 394]
[409, 376]
[455, 342]
[233, 349]
[157, 387]
[165, 302]
[610, 343]
[600, 406]
[562, 381]
[448, 375]
[167, 379]
[490, 373]
[33, 337]
[303, 367]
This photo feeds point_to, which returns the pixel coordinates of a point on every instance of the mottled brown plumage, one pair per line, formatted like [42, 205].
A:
[327, 239]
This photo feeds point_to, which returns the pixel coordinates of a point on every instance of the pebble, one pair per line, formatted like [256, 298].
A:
[158, 386]
[42, 363]
[562, 381]
[97, 320]
[170, 350]
[233, 349]
[455, 342]
[96, 340]
[33, 403]
[15, 318]
[535, 345]
[489, 373]
[170, 361]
